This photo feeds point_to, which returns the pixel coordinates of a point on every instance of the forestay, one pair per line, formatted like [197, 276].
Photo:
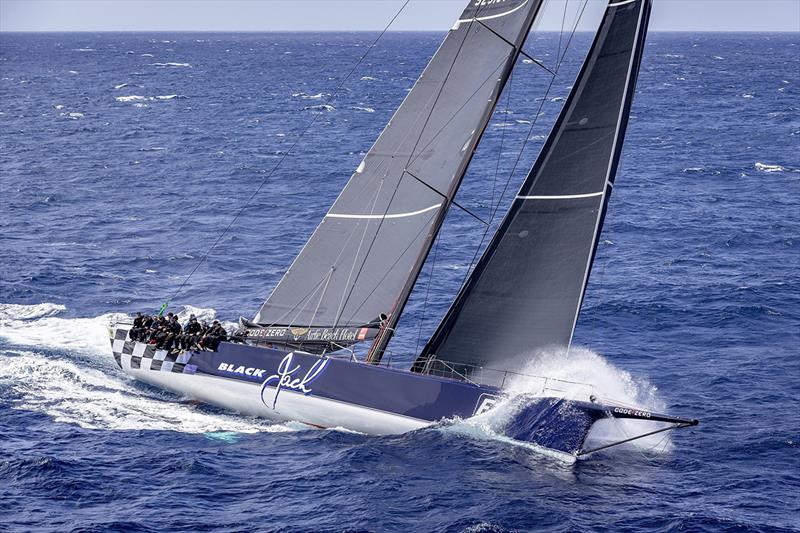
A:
[526, 291]
[365, 255]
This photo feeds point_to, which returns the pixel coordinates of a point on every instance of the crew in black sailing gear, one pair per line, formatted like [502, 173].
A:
[214, 336]
[158, 333]
[138, 327]
[189, 336]
[173, 331]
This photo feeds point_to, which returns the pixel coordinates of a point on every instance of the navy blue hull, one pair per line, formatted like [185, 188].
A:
[326, 391]
[386, 389]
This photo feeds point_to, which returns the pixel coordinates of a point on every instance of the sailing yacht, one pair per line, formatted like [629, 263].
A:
[349, 284]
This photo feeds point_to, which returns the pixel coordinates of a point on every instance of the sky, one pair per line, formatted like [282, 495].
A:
[344, 15]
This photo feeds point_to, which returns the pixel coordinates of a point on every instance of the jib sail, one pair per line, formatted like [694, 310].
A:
[526, 291]
[361, 262]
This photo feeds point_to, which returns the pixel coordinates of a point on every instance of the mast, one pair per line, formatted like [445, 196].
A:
[388, 326]
[525, 293]
[356, 271]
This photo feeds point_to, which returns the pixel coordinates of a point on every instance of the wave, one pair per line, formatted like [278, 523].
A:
[368, 78]
[92, 398]
[138, 98]
[321, 107]
[306, 96]
[763, 167]
[170, 64]
[63, 367]
[131, 98]
[364, 109]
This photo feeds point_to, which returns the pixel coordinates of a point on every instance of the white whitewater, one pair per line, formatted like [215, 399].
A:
[575, 375]
[62, 367]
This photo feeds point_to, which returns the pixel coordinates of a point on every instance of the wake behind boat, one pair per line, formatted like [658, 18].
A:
[348, 286]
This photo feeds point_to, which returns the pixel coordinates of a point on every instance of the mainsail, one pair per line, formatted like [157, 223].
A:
[358, 268]
[526, 291]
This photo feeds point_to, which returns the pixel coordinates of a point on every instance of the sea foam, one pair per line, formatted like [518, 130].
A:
[63, 367]
[574, 375]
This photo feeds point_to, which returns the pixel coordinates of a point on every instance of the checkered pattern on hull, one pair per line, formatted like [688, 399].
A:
[140, 356]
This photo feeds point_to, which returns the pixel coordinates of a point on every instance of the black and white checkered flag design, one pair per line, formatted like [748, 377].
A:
[141, 356]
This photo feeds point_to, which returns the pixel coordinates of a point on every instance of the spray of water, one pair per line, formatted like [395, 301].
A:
[576, 375]
[63, 367]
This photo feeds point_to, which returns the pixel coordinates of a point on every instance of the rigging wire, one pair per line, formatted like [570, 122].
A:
[283, 157]
[524, 144]
[416, 144]
[494, 186]
[427, 294]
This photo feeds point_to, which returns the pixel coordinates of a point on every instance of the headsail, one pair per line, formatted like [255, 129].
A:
[526, 291]
[364, 257]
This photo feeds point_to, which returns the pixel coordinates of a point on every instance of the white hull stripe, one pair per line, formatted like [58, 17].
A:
[615, 4]
[563, 197]
[378, 217]
[488, 17]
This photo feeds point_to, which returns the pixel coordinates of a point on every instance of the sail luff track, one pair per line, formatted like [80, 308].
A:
[524, 295]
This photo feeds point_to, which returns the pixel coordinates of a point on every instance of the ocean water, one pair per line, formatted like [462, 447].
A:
[123, 157]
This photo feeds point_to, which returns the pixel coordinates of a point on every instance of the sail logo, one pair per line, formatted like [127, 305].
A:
[292, 378]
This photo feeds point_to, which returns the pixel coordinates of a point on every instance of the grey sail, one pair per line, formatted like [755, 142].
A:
[365, 255]
[526, 291]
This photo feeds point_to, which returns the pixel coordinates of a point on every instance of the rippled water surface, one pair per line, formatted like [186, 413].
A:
[122, 156]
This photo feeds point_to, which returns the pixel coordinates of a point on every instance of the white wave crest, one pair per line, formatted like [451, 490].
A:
[37, 326]
[763, 167]
[321, 107]
[364, 109]
[97, 399]
[90, 390]
[10, 312]
[131, 98]
[139, 98]
[170, 64]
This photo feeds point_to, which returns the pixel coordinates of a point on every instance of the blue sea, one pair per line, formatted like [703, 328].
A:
[124, 156]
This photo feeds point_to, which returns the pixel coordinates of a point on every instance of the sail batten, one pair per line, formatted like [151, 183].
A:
[525, 293]
[368, 250]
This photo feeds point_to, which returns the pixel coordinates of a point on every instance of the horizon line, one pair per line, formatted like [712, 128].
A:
[364, 31]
